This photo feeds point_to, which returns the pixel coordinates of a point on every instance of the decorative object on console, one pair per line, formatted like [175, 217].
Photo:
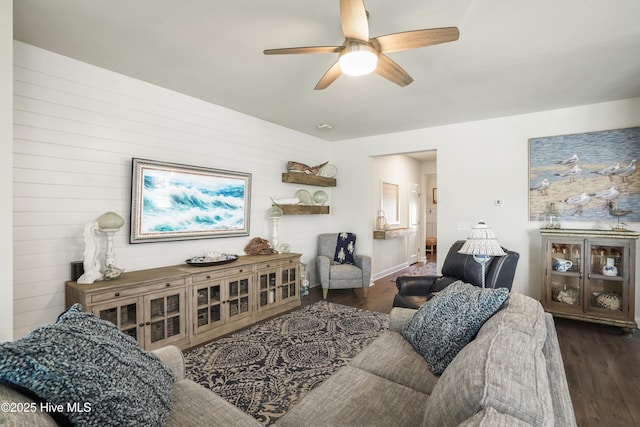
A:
[170, 201]
[110, 223]
[274, 213]
[618, 213]
[381, 222]
[211, 259]
[259, 246]
[483, 245]
[91, 264]
[551, 217]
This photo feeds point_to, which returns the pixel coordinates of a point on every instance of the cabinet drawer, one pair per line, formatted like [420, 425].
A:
[136, 290]
[276, 264]
[212, 275]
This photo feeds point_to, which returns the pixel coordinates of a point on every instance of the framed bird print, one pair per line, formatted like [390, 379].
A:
[590, 176]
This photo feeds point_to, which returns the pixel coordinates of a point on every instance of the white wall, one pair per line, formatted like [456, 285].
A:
[391, 255]
[76, 128]
[479, 162]
[6, 131]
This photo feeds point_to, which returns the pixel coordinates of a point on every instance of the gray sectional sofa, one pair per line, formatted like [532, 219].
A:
[511, 374]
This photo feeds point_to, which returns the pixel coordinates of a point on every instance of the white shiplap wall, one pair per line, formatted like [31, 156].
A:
[76, 128]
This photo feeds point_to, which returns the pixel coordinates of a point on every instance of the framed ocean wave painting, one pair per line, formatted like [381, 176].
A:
[171, 201]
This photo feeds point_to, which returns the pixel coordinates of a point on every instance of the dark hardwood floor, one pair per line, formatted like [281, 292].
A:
[602, 366]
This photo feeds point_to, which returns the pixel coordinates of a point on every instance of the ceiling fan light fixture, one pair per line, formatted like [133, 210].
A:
[358, 59]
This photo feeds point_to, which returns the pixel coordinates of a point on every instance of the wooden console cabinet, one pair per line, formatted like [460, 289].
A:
[582, 290]
[187, 306]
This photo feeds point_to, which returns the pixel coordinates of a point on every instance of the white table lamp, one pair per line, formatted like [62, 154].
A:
[483, 245]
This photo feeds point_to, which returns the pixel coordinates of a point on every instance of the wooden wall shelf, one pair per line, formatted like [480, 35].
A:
[303, 178]
[304, 210]
[390, 234]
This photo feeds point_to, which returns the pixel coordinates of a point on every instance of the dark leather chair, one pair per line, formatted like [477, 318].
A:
[413, 291]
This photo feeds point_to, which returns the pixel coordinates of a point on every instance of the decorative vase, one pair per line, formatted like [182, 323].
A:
[551, 217]
[610, 269]
[381, 221]
[304, 281]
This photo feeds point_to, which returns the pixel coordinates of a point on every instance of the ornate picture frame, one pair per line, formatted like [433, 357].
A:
[171, 201]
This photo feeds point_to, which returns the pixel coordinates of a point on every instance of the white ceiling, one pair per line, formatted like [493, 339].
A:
[513, 57]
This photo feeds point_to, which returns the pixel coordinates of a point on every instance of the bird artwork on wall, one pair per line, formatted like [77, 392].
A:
[588, 176]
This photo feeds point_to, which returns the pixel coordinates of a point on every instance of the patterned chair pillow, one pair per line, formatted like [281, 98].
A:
[447, 322]
[89, 370]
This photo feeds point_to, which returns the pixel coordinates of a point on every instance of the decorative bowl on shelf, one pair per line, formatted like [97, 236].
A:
[320, 197]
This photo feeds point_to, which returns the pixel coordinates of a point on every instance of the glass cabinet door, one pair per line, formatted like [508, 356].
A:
[289, 286]
[126, 314]
[238, 303]
[267, 288]
[606, 290]
[565, 270]
[208, 306]
[165, 316]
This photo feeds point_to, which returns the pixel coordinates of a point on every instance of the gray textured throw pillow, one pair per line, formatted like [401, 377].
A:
[88, 370]
[450, 320]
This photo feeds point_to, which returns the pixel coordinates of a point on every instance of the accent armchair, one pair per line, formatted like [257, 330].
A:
[334, 275]
[413, 291]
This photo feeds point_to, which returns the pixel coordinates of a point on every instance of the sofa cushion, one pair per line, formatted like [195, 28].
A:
[194, 405]
[489, 417]
[447, 322]
[356, 398]
[503, 368]
[96, 374]
[390, 356]
[345, 272]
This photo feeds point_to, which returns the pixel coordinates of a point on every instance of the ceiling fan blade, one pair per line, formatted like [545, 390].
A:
[308, 49]
[329, 77]
[392, 71]
[353, 18]
[414, 39]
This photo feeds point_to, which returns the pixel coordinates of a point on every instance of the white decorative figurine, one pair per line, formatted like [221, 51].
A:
[91, 248]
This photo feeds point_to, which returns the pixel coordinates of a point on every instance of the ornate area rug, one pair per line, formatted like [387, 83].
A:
[267, 368]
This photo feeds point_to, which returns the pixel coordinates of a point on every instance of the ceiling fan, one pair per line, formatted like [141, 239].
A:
[360, 55]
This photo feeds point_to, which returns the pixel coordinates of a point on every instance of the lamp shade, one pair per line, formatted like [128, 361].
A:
[482, 242]
[274, 212]
[110, 221]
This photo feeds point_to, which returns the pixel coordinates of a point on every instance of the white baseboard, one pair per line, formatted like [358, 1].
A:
[389, 271]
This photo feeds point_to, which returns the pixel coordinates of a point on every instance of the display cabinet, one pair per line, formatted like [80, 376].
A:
[590, 275]
[187, 306]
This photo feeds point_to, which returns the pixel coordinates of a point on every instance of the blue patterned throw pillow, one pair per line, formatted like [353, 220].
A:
[345, 247]
[88, 370]
[450, 320]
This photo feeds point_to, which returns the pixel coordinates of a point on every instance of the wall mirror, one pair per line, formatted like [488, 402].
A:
[390, 202]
